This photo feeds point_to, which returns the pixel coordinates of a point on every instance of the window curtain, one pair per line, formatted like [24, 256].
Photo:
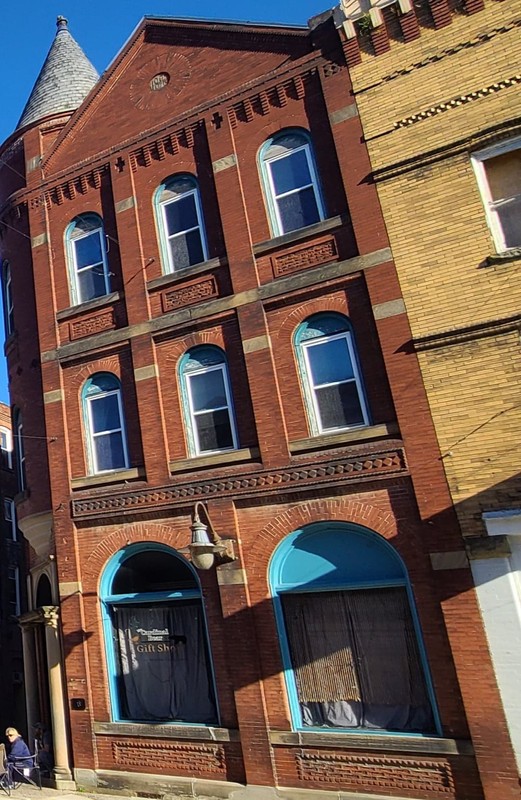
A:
[162, 663]
[356, 661]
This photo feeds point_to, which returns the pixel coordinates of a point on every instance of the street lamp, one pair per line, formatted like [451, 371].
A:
[206, 546]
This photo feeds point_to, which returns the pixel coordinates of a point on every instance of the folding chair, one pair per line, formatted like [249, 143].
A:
[5, 783]
[25, 770]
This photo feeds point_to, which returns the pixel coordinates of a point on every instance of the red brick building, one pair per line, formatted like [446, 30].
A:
[206, 336]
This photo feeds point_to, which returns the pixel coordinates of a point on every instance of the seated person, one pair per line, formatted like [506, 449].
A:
[18, 751]
[43, 741]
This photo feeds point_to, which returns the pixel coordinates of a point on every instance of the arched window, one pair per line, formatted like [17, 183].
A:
[330, 375]
[7, 296]
[291, 182]
[104, 423]
[208, 401]
[349, 634]
[44, 592]
[156, 640]
[180, 223]
[87, 254]
[20, 449]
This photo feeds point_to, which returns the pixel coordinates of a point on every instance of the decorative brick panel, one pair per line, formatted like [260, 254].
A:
[177, 758]
[194, 292]
[378, 773]
[308, 255]
[91, 325]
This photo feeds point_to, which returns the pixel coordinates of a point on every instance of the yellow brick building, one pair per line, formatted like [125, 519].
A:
[437, 87]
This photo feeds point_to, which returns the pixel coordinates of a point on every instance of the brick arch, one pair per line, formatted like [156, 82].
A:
[313, 306]
[181, 167]
[175, 535]
[178, 349]
[272, 127]
[109, 364]
[333, 510]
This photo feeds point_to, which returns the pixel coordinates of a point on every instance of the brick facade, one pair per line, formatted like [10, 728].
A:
[235, 87]
[428, 105]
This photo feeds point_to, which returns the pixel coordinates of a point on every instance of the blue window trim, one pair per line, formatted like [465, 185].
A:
[268, 190]
[166, 260]
[220, 361]
[89, 216]
[108, 599]
[344, 329]
[278, 587]
[89, 443]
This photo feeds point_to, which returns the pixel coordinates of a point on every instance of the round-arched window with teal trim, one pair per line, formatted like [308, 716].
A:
[88, 259]
[330, 374]
[181, 223]
[290, 181]
[208, 401]
[104, 423]
[350, 637]
[156, 638]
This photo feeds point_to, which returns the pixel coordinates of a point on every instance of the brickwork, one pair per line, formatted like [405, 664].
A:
[426, 106]
[248, 300]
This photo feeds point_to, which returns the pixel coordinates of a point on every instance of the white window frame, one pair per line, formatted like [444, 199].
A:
[479, 161]
[199, 227]
[13, 574]
[229, 407]
[8, 298]
[10, 517]
[274, 197]
[20, 456]
[76, 270]
[93, 436]
[8, 449]
[311, 388]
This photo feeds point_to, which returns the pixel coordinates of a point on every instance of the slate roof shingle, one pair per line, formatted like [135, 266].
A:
[65, 79]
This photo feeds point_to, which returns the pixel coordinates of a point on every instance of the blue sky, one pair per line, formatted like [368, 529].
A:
[102, 27]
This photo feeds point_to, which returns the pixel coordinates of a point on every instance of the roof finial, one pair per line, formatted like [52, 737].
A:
[61, 23]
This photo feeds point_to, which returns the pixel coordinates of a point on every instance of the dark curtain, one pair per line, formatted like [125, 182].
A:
[356, 661]
[162, 663]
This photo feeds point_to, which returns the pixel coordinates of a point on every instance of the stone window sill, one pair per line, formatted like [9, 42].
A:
[215, 460]
[90, 305]
[385, 742]
[191, 732]
[104, 478]
[296, 236]
[355, 435]
[182, 274]
[512, 254]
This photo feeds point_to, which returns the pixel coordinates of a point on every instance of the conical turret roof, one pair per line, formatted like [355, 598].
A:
[65, 79]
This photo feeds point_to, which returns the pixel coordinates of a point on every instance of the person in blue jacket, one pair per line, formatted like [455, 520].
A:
[18, 749]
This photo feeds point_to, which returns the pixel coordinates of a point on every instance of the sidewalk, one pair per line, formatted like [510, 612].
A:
[28, 792]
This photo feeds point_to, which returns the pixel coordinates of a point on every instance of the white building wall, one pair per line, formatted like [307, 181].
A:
[498, 587]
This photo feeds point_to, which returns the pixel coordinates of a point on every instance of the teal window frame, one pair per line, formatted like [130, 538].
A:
[270, 193]
[87, 404]
[319, 329]
[210, 358]
[368, 561]
[161, 202]
[109, 599]
[80, 228]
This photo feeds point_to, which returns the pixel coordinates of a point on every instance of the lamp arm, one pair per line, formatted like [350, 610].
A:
[215, 536]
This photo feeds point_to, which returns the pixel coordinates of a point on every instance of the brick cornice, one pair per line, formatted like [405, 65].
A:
[364, 465]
